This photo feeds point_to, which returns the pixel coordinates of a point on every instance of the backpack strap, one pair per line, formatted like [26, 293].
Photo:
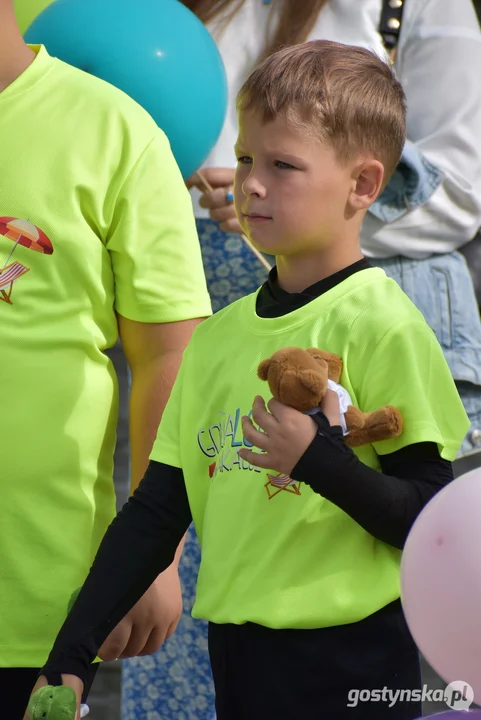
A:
[390, 25]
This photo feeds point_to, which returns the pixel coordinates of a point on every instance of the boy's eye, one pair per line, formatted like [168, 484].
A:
[283, 165]
[244, 160]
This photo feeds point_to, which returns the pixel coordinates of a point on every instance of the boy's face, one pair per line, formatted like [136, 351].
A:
[290, 191]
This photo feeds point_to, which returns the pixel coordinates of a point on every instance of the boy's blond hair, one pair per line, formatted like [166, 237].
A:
[344, 93]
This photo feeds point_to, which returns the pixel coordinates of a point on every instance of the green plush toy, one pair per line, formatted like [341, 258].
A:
[53, 703]
[56, 703]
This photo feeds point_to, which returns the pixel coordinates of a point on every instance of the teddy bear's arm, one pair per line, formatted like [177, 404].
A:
[379, 425]
[355, 418]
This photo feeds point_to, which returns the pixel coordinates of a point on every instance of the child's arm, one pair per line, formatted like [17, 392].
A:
[154, 354]
[140, 543]
[160, 297]
[385, 504]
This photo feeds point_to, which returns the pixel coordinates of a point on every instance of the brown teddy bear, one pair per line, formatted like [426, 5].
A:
[300, 378]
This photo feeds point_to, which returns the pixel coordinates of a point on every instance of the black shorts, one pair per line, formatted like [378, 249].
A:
[16, 685]
[261, 674]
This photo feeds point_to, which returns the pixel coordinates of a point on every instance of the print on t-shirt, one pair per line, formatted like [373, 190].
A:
[23, 234]
[279, 483]
[221, 442]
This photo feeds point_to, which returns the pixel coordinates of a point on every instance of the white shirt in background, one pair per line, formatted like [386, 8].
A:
[439, 65]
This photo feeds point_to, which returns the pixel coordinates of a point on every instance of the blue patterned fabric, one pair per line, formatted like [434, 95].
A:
[231, 269]
[176, 682]
[442, 289]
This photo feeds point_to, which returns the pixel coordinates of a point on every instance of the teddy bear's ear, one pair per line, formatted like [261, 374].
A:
[263, 369]
[316, 353]
[335, 367]
[334, 362]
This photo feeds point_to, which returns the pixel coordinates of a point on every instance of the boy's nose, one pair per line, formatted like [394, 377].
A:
[253, 186]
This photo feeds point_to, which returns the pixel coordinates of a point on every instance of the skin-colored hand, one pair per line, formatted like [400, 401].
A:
[150, 622]
[69, 681]
[330, 408]
[285, 434]
[220, 209]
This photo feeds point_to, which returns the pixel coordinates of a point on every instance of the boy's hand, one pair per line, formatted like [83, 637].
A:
[287, 433]
[218, 202]
[150, 622]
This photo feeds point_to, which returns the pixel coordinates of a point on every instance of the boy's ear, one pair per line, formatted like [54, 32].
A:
[368, 177]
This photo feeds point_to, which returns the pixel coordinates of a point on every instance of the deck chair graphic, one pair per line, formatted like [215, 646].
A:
[8, 275]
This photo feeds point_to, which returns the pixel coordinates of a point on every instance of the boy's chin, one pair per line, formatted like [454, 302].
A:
[264, 248]
[262, 243]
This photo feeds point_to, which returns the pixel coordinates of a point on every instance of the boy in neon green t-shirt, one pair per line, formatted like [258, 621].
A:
[300, 579]
[97, 239]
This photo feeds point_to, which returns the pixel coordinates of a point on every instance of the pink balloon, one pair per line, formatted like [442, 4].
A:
[454, 715]
[441, 582]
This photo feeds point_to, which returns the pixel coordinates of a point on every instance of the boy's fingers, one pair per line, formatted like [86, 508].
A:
[257, 459]
[139, 637]
[281, 412]
[115, 644]
[330, 408]
[155, 641]
[278, 409]
[261, 416]
[255, 437]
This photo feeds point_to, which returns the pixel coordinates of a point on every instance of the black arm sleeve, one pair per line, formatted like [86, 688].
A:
[386, 503]
[140, 543]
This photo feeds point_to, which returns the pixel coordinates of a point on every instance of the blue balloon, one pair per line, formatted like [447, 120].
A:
[156, 51]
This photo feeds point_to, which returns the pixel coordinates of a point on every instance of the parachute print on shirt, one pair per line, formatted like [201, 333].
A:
[22, 233]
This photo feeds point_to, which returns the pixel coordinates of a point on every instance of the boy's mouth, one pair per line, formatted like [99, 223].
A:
[256, 218]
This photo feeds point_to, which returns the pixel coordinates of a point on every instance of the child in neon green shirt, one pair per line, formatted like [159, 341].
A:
[97, 239]
[299, 581]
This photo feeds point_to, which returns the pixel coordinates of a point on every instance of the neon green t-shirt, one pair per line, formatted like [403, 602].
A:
[94, 219]
[288, 558]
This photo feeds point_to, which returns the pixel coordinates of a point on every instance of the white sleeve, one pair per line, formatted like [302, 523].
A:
[439, 64]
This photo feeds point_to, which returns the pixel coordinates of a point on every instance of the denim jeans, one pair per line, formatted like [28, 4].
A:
[442, 289]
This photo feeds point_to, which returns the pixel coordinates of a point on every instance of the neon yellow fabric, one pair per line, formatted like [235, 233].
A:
[94, 217]
[287, 558]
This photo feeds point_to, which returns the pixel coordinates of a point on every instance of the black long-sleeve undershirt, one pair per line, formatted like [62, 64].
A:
[385, 503]
[140, 543]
